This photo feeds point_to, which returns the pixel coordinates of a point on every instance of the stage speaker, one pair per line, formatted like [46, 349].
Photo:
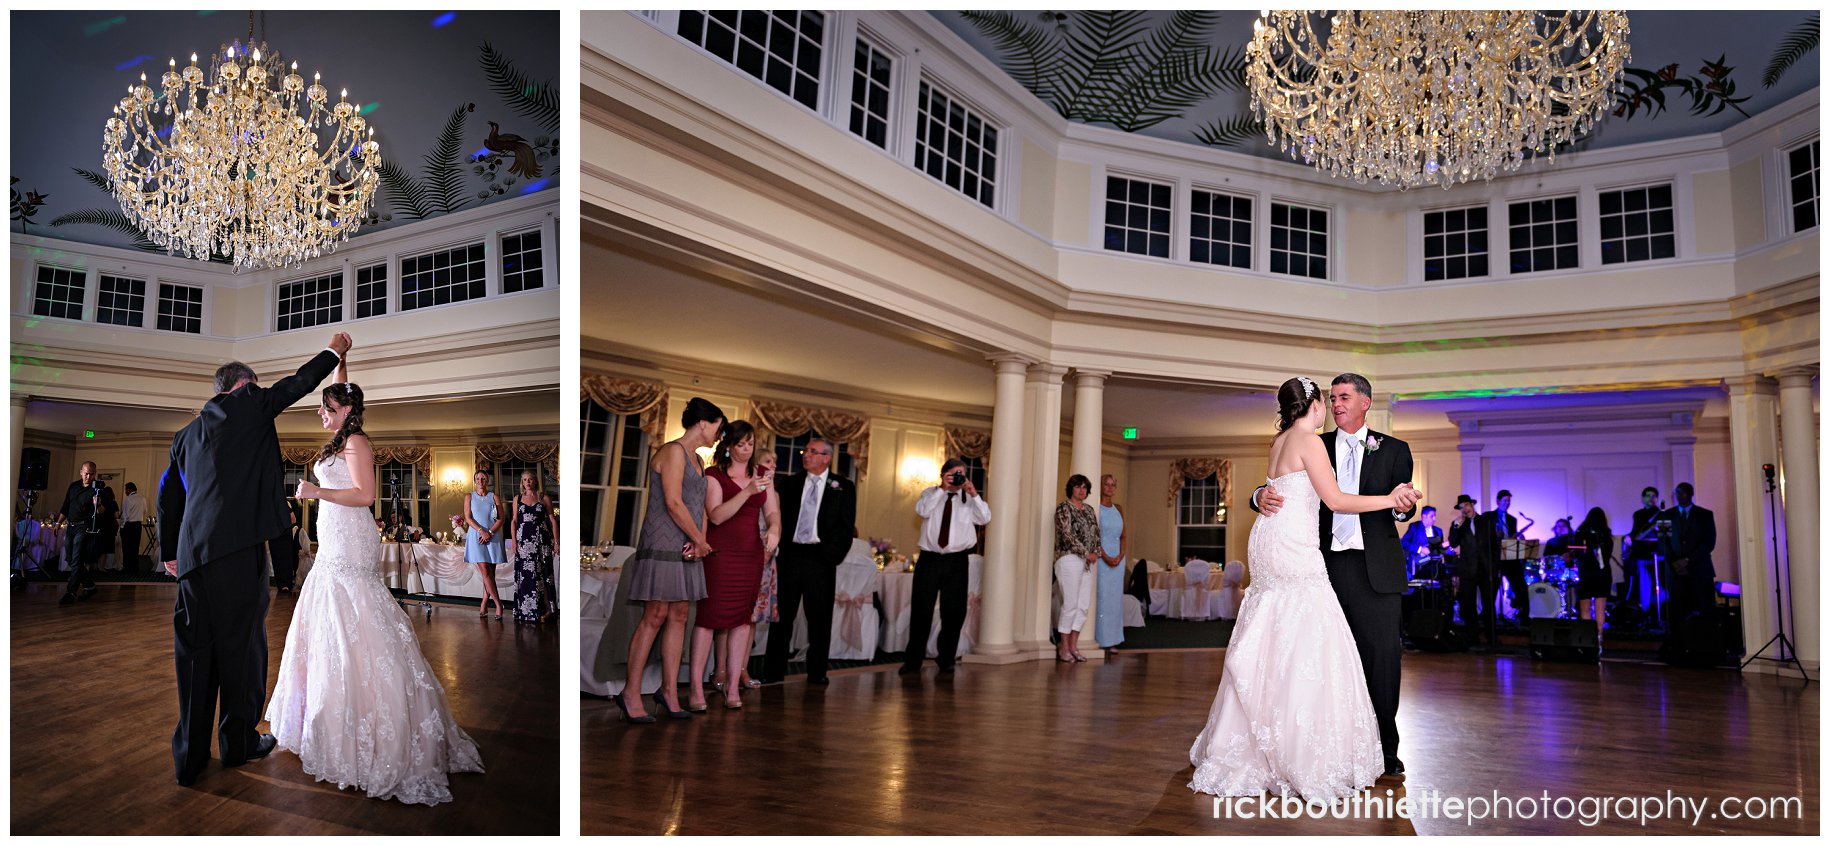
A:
[1432, 630]
[1695, 641]
[34, 469]
[1564, 640]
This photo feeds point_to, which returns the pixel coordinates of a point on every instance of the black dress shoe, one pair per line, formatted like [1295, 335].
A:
[1393, 767]
[68, 599]
[818, 680]
[87, 592]
[262, 748]
[190, 778]
[947, 670]
[907, 669]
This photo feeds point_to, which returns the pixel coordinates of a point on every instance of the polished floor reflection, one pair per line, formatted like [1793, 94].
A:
[1102, 748]
[94, 701]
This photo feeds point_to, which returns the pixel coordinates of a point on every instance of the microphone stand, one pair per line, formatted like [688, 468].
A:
[1788, 654]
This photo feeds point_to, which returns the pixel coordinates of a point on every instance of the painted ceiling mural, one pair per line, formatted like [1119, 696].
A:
[465, 105]
[1179, 75]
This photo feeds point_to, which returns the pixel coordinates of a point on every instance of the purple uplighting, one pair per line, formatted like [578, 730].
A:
[134, 62]
[535, 186]
[443, 19]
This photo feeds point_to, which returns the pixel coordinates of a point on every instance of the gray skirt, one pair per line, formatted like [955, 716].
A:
[660, 580]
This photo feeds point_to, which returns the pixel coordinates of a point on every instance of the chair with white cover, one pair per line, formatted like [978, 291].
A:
[855, 620]
[1159, 596]
[1191, 601]
[1228, 597]
[1132, 613]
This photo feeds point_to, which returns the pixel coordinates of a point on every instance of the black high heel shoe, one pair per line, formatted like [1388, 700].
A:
[661, 705]
[624, 711]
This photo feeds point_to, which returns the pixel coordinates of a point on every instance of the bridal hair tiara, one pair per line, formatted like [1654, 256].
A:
[1308, 388]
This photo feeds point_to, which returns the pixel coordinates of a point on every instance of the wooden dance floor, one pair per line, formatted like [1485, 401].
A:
[95, 699]
[1045, 748]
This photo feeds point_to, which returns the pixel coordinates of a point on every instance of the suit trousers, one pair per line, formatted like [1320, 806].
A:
[1377, 621]
[802, 574]
[220, 622]
[1476, 601]
[942, 574]
[285, 555]
[130, 547]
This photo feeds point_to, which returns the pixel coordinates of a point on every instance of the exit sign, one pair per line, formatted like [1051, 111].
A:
[88, 433]
[1130, 433]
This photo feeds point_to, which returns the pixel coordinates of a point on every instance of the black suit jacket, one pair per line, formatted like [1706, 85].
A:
[1471, 537]
[1381, 471]
[1642, 550]
[1490, 534]
[224, 491]
[79, 509]
[1693, 538]
[838, 514]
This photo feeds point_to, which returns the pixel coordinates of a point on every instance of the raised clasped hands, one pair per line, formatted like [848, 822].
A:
[1405, 497]
[340, 343]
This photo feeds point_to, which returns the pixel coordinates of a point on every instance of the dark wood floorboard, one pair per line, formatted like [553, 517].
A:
[94, 701]
[1043, 748]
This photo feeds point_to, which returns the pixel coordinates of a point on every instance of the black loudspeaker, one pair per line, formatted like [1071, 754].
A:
[34, 469]
[1695, 641]
[1433, 631]
[1564, 640]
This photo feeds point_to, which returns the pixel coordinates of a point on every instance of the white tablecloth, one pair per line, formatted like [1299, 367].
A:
[605, 623]
[897, 595]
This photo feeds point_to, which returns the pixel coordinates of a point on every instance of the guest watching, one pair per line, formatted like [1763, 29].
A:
[667, 572]
[819, 515]
[1076, 542]
[1109, 618]
[950, 513]
[483, 540]
[530, 546]
[737, 496]
[133, 516]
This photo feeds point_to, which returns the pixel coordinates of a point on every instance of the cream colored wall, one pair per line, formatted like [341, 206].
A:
[1036, 205]
[1747, 191]
[1713, 209]
[1375, 249]
[1073, 181]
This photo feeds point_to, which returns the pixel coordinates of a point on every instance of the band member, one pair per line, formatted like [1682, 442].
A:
[1468, 543]
[1638, 547]
[1423, 544]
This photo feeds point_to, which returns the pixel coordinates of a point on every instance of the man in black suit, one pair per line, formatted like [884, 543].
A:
[819, 513]
[1474, 567]
[1642, 543]
[284, 549]
[1687, 552]
[220, 501]
[1500, 527]
[1364, 558]
[90, 510]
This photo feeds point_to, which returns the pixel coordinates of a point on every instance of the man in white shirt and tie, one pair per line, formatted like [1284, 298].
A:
[951, 513]
[133, 514]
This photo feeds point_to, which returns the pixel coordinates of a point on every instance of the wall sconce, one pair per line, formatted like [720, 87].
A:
[918, 472]
[455, 482]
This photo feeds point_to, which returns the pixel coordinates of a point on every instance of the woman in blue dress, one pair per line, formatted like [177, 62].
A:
[483, 542]
[1109, 622]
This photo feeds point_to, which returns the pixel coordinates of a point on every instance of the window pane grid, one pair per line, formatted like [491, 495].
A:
[1803, 178]
[1637, 225]
[59, 293]
[1455, 243]
[1137, 216]
[521, 262]
[870, 94]
[1299, 240]
[955, 145]
[788, 455]
[1543, 234]
[372, 290]
[1220, 230]
[180, 308]
[1200, 528]
[120, 301]
[780, 48]
[443, 277]
[311, 302]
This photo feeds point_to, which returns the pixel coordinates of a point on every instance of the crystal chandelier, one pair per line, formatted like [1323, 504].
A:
[228, 164]
[1409, 98]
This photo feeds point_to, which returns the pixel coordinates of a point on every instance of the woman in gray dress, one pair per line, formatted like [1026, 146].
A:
[667, 573]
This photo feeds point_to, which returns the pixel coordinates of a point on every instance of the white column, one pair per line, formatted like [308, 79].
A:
[1089, 439]
[1004, 478]
[1798, 447]
[1472, 481]
[1753, 441]
[1379, 416]
[1042, 469]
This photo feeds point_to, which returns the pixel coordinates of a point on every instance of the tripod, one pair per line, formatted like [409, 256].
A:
[19, 553]
[1788, 654]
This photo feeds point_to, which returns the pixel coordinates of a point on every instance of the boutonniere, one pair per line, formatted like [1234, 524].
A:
[834, 484]
[1372, 444]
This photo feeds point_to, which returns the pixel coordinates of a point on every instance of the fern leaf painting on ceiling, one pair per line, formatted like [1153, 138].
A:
[1114, 67]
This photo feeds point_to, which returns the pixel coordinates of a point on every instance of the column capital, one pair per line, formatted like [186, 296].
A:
[1091, 378]
[1470, 448]
[1752, 384]
[21, 400]
[1047, 372]
[1796, 377]
[1009, 362]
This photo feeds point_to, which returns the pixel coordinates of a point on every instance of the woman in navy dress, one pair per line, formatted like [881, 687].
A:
[531, 548]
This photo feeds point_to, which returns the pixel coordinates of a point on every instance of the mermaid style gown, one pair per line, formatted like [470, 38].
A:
[1292, 715]
[355, 699]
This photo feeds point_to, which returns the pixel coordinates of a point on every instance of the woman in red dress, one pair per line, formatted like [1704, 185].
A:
[736, 496]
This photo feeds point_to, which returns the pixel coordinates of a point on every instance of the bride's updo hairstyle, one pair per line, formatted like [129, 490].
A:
[347, 395]
[1293, 401]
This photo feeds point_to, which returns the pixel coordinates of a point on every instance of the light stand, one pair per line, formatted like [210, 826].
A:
[19, 556]
[424, 600]
[1788, 654]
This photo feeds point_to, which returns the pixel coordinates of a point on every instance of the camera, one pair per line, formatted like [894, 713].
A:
[957, 479]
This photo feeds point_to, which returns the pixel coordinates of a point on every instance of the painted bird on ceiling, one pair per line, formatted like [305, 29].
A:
[516, 146]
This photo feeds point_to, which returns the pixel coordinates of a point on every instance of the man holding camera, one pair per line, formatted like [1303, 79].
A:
[951, 513]
[90, 510]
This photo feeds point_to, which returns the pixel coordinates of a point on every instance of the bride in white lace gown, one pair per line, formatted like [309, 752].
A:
[355, 698]
[1292, 715]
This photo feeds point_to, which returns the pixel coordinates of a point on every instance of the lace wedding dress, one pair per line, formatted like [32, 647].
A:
[355, 698]
[1292, 715]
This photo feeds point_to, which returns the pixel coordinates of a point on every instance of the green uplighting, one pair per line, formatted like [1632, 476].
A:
[369, 108]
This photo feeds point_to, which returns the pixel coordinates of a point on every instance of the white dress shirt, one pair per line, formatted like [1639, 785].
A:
[133, 508]
[968, 512]
[810, 517]
[1355, 539]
